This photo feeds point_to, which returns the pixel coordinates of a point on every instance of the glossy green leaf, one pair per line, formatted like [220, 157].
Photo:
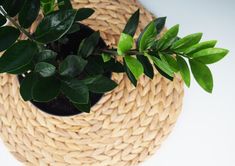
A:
[184, 70]
[12, 60]
[54, 26]
[210, 55]
[164, 74]
[125, 43]
[72, 66]
[83, 13]
[47, 6]
[162, 65]
[100, 84]
[46, 55]
[88, 45]
[29, 13]
[130, 75]
[106, 57]
[172, 63]
[76, 91]
[200, 46]
[74, 28]
[186, 42]
[148, 36]
[93, 67]
[12, 7]
[159, 24]
[23, 70]
[46, 89]
[8, 36]
[83, 107]
[163, 58]
[148, 68]
[135, 66]
[64, 4]
[132, 24]
[3, 20]
[45, 69]
[168, 38]
[113, 66]
[26, 86]
[203, 75]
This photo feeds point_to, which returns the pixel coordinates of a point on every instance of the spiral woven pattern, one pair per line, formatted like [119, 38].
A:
[123, 129]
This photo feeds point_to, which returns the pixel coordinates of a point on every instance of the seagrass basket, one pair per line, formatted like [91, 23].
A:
[125, 127]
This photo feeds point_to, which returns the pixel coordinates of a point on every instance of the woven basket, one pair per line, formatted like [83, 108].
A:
[125, 127]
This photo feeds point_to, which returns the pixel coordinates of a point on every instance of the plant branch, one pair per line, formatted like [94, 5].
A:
[114, 52]
[15, 23]
[176, 53]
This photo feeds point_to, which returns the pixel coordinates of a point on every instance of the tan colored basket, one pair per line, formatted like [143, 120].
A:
[123, 129]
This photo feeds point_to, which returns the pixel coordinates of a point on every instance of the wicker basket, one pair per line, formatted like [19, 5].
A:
[125, 127]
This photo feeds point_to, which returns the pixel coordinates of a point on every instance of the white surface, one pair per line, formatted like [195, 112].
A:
[205, 132]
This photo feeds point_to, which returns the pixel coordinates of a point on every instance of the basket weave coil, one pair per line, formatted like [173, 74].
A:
[125, 127]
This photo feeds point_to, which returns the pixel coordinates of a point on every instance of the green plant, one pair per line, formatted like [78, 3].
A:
[46, 76]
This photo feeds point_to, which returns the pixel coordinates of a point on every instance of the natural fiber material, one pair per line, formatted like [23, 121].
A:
[123, 129]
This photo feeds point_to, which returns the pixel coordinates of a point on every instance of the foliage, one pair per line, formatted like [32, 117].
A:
[169, 54]
[47, 76]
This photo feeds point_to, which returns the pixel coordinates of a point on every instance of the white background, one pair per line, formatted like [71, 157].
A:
[205, 132]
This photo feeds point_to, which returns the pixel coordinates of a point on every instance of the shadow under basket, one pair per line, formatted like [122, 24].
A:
[61, 106]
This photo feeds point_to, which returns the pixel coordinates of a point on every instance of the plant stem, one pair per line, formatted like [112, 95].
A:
[183, 55]
[15, 23]
[114, 52]
[176, 53]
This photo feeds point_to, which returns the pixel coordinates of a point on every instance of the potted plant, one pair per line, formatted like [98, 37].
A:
[65, 67]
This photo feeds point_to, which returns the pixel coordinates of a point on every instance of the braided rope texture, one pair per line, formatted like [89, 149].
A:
[123, 129]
